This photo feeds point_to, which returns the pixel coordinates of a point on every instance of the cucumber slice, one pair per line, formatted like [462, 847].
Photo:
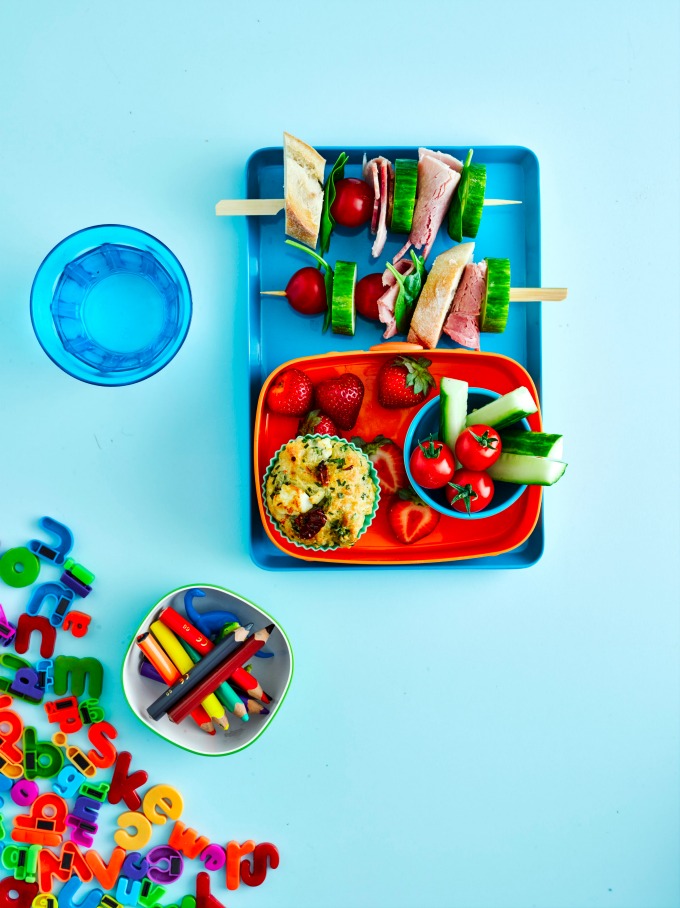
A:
[538, 444]
[473, 199]
[343, 309]
[405, 185]
[505, 410]
[458, 203]
[496, 303]
[453, 397]
[523, 469]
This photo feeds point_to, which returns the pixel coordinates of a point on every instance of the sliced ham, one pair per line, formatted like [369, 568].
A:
[442, 156]
[387, 301]
[379, 173]
[437, 181]
[462, 324]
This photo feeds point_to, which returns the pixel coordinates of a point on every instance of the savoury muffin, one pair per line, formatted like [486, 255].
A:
[321, 491]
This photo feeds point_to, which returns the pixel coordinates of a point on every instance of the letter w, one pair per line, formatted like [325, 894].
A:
[187, 840]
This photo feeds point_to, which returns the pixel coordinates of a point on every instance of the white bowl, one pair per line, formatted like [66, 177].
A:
[274, 674]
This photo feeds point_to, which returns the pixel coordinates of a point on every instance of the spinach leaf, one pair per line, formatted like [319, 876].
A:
[409, 291]
[327, 220]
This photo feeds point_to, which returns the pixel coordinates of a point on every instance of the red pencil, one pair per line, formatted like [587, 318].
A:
[223, 670]
[186, 631]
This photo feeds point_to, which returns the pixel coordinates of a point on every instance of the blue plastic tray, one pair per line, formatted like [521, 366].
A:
[276, 333]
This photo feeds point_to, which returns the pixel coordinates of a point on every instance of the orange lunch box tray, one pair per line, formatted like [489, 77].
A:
[454, 540]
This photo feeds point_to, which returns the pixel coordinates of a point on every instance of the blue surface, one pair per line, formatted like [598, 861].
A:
[277, 333]
[531, 759]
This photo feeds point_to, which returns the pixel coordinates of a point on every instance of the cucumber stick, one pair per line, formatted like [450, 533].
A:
[538, 444]
[505, 410]
[523, 469]
[496, 303]
[473, 202]
[405, 186]
[343, 308]
[453, 397]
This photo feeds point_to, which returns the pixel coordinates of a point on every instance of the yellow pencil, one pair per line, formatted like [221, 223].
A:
[183, 662]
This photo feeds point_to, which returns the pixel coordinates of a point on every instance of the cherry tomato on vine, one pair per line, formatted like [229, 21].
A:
[477, 447]
[353, 203]
[469, 490]
[306, 291]
[366, 294]
[432, 464]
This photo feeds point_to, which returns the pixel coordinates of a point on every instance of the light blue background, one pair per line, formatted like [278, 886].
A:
[528, 754]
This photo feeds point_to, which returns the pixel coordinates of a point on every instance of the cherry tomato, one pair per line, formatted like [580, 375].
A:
[477, 447]
[366, 294]
[432, 464]
[469, 490]
[306, 291]
[353, 203]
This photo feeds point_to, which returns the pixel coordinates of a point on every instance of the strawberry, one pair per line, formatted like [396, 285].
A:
[410, 518]
[340, 398]
[388, 460]
[315, 423]
[290, 393]
[404, 382]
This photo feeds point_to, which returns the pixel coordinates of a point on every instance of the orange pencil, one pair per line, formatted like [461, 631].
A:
[170, 674]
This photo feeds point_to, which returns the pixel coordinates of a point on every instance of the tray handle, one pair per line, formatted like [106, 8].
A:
[397, 347]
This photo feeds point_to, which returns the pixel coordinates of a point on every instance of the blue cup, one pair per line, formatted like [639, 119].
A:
[111, 305]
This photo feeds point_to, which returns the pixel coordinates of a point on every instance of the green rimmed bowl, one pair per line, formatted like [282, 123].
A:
[274, 674]
[368, 520]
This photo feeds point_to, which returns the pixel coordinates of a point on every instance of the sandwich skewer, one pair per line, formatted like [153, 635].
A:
[517, 294]
[234, 207]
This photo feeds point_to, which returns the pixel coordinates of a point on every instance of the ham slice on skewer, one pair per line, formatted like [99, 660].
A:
[379, 174]
[462, 324]
[387, 301]
[438, 176]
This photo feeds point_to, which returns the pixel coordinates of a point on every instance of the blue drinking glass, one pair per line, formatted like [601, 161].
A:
[111, 305]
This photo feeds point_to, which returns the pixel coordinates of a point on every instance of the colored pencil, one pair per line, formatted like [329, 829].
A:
[169, 673]
[191, 674]
[254, 706]
[182, 660]
[248, 682]
[225, 693]
[216, 669]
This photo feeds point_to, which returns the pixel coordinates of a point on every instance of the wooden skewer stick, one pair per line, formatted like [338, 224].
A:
[517, 294]
[230, 207]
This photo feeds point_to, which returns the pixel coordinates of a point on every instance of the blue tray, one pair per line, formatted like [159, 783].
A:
[276, 333]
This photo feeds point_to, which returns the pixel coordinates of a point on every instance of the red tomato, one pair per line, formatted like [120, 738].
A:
[469, 490]
[353, 203]
[477, 447]
[306, 291]
[432, 464]
[366, 294]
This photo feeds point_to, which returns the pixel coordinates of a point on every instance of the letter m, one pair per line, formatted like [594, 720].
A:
[73, 672]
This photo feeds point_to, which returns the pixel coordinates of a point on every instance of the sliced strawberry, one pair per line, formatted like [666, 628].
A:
[404, 382]
[315, 423]
[290, 393]
[410, 518]
[388, 460]
[340, 398]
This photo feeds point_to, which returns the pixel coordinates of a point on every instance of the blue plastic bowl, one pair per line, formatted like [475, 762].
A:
[111, 305]
[425, 423]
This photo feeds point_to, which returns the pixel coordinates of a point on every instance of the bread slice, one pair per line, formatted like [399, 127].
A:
[437, 295]
[303, 188]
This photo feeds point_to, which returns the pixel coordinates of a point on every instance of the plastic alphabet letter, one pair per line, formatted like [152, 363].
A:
[263, 853]
[134, 866]
[11, 730]
[66, 713]
[127, 890]
[165, 865]
[187, 840]
[26, 685]
[67, 896]
[24, 792]
[45, 670]
[19, 567]
[77, 622]
[123, 786]
[44, 824]
[42, 760]
[214, 857]
[77, 671]
[63, 597]
[46, 900]
[106, 874]
[25, 893]
[142, 834]
[26, 625]
[161, 802]
[103, 753]
[150, 893]
[68, 781]
[234, 854]
[54, 553]
[204, 897]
